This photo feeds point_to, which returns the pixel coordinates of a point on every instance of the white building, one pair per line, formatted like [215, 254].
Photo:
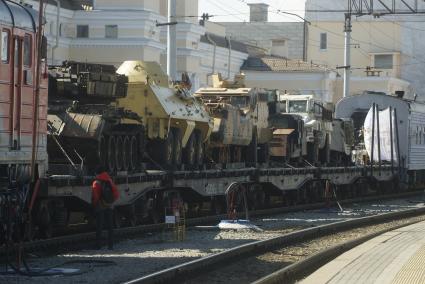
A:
[107, 31]
[387, 52]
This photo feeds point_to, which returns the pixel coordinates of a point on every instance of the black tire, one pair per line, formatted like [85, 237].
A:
[165, 151]
[263, 153]
[111, 154]
[199, 148]
[177, 147]
[189, 152]
[119, 153]
[252, 154]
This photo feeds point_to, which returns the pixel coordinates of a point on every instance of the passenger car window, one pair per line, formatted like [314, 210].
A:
[5, 46]
[27, 50]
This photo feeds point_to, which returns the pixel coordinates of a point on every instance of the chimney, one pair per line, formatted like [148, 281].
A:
[258, 12]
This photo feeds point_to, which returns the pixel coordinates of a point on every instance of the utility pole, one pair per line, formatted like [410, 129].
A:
[171, 41]
[347, 54]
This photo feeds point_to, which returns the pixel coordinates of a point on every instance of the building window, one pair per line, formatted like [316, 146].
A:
[279, 48]
[323, 41]
[5, 46]
[384, 61]
[111, 31]
[82, 31]
[27, 50]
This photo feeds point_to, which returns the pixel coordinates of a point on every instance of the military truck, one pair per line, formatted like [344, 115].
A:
[123, 118]
[240, 114]
[177, 126]
[314, 132]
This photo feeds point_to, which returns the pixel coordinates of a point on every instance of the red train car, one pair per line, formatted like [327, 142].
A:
[19, 54]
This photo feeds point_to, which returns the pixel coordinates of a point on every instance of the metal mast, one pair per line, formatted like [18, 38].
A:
[347, 54]
[171, 41]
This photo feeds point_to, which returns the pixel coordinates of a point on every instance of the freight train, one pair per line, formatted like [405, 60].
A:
[160, 142]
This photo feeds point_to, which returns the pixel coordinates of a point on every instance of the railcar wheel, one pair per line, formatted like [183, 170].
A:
[189, 152]
[111, 153]
[126, 153]
[133, 154]
[199, 149]
[119, 153]
[177, 147]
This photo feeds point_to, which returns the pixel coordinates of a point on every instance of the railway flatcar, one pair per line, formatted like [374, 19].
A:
[180, 132]
[409, 128]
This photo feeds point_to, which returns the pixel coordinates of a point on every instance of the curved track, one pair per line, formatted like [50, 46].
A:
[222, 261]
[84, 240]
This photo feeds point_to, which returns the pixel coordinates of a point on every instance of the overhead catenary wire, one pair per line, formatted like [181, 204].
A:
[357, 41]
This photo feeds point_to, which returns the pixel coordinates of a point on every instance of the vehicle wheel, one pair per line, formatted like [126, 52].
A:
[263, 153]
[111, 153]
[189, 153]
[252, 154]
[165, 150]
[236, 154]
[133, 154]
[126, 153]
[119, 153]
[177, 147]
[199, 148]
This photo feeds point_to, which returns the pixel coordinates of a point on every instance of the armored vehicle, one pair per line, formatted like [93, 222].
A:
[84, 126]
[177, 126]
[316, 127]
[241, 132]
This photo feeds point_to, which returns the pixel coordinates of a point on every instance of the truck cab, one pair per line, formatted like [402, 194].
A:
[317, 122]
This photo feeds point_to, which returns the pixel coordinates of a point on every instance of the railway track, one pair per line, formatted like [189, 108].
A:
[295, 251]
[85, 240]
[147, 251]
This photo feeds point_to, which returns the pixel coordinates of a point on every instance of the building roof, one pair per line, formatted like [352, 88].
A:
[72, 4]
[221, 41]
[280, 64]
[17, 15]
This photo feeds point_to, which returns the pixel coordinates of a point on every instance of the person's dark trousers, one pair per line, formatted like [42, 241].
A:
[102, 215]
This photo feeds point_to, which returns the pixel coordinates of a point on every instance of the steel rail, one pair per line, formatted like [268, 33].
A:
[83, 240]
[298, 270]
[186, 270]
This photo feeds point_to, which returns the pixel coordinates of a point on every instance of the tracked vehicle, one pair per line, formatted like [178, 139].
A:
[86, 128]
[121, 118]
[241, 132]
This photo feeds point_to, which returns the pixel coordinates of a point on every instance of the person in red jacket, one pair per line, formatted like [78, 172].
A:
[104, 194]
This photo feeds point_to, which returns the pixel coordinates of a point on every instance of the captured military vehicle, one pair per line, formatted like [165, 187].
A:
[85, 129]
[119, 118]
[241, 132]
[177, 126]
[303, 126]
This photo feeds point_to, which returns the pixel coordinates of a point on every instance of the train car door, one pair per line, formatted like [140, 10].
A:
[17, 94]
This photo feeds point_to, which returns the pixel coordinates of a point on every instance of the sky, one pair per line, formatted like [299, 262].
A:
[238, 11]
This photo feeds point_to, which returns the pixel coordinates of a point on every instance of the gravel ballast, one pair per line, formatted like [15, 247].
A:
[153, 252]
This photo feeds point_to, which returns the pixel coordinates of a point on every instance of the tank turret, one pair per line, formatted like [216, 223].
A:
[85, 127]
